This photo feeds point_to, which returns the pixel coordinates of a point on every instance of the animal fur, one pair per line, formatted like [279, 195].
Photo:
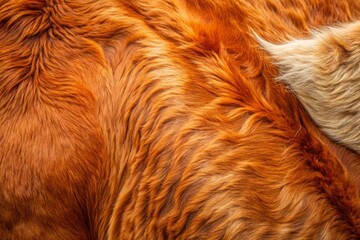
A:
[161, 120]
[324, 72]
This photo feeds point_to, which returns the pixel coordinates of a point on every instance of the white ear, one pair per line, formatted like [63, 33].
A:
[324, 73]
[295, 59]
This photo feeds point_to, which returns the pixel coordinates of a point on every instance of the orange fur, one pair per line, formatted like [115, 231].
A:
[161, 120]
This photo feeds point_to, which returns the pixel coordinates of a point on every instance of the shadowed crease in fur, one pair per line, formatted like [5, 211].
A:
[162, 120]
[324, 72]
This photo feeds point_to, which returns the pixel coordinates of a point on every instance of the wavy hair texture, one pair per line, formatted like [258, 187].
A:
[161, 119]
[324, 72]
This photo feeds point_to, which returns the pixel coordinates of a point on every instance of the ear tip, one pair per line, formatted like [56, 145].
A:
[263, 43]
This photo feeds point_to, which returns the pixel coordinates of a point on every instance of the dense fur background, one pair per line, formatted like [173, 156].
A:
[162, 120]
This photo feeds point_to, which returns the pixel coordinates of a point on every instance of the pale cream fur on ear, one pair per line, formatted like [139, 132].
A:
[324, 73]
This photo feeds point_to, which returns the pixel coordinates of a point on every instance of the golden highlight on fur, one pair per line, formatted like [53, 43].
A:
[324, 72]
[162, 120]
